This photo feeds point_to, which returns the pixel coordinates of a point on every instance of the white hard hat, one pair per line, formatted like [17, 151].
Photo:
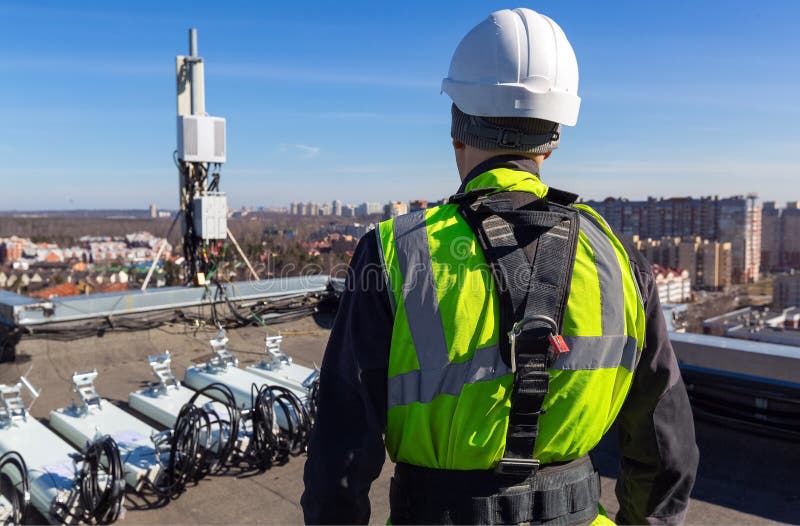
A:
[515, 64]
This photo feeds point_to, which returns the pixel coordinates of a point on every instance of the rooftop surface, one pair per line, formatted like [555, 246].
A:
[743, 478]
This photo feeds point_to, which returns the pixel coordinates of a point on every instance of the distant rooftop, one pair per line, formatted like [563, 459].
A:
[761, 325]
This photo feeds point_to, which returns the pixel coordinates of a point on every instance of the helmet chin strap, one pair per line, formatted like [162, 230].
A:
[505, 134]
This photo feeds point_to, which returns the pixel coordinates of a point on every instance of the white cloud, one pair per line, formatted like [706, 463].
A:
[301, 151]
[307, 152]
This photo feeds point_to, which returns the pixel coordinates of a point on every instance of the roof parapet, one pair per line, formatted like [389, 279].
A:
[18, 310]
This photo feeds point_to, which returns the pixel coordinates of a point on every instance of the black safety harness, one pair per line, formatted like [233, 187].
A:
[530, 245]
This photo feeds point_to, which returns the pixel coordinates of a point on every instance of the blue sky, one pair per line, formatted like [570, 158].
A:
[341, 100]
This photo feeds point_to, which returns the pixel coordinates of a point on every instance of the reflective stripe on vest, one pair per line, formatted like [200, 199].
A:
[448, 387]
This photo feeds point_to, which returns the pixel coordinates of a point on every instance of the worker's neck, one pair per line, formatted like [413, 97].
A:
[467, 158]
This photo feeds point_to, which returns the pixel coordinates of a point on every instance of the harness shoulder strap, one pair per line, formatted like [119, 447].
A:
[561, 197]
[533, 295]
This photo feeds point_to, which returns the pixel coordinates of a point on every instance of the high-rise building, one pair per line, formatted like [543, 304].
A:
[786, 290]
[753, 234]
[707, 263]
[336, 207]
[348, 211]
[365, 209]
[664, 252]
[739, 222]
[790, 236]
[780, 236]
[713, 271]
[771, 237]
[735, 219]
[153, 211]
[688, 250]
[395, 209]
[293, 209]
[373, 208]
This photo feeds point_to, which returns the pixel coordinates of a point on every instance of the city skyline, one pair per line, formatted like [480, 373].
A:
[674, 100]
[778, 204]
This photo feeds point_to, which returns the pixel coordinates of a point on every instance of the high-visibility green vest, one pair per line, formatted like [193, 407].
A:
[448, 387]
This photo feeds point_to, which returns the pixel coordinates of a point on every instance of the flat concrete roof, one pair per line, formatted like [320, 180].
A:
[743, 478]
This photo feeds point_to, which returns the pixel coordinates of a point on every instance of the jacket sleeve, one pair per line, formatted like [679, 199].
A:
[346, 449]
[656, 428]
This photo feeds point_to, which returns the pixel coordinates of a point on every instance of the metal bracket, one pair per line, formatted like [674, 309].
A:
[162, 443]
[311, 379]
[161, 366]
[46, 307]
[222, 356]
[83, 385]
[276, 357]
[13, 407]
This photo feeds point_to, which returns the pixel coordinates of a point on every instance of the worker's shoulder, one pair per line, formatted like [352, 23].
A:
[430, 214]
[591, 212]
[639, 263]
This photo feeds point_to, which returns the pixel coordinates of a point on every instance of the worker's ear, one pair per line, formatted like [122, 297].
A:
[547, 155]
[460, 151]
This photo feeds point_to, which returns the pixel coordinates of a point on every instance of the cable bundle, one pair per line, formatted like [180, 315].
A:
[101, 482]
[223, 430]
[269, 443]
[298, 420]
[275, 310]
[19, 500]
[187, 451]
[313, 398]
[201, 442]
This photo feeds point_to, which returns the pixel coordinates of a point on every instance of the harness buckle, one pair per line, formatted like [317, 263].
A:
[519, 327]
[517, 466]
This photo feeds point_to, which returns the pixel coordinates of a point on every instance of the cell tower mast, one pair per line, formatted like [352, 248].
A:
[199, 156]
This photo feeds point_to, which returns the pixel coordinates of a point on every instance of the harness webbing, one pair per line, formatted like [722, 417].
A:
[558, 494]
[533, 286]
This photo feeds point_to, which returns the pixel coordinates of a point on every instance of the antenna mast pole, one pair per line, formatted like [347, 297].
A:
[200, 154]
